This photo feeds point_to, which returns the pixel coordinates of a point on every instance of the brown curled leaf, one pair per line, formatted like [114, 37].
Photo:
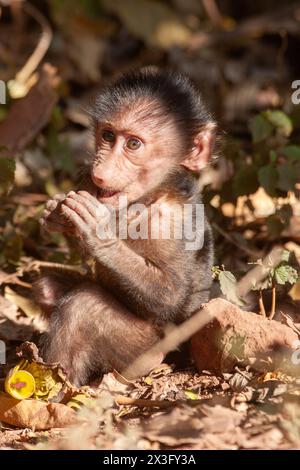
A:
[34, 414]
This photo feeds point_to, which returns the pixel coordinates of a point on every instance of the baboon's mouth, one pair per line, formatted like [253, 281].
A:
[106, 193]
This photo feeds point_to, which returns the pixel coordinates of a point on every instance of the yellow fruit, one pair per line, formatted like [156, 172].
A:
[20, 384]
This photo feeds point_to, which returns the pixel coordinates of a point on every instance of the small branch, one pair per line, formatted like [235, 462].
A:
[42, 47]
[36, 265]
[250, 252]
[269, 23]
[16, 281]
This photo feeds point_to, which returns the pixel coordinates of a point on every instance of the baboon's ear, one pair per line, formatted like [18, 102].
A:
[202, 149]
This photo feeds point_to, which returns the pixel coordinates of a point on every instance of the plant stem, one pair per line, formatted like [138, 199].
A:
[273, 303]
[261, 305]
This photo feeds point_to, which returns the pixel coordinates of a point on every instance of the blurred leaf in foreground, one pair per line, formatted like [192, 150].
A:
[280, 121]
[7, 174]
[154, 22]
[260, 128]
[268, 178]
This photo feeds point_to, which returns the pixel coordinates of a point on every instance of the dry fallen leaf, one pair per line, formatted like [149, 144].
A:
[14, 325]
[34, 414]
[174, 429]
[24, 303]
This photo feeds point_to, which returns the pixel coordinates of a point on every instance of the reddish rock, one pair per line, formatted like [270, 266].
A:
[235, 335]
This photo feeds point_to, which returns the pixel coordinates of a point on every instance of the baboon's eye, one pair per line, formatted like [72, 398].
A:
[133, 144]
[108, 136]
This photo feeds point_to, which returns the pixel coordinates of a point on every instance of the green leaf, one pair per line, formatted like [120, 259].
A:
[287, 177]
[228, 285]
[284, 274]
[292, 152]
[260, 128]
[268, 178]
[245, 181]
[280, 121]
[7, 174]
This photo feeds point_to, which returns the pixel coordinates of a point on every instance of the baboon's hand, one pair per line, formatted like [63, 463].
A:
[91, 219]
[53, 219]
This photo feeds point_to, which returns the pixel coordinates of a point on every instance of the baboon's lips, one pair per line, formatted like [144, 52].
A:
[106, 193]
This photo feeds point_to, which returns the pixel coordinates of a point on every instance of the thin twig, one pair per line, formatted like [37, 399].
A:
[142, 403]
[127, 401]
